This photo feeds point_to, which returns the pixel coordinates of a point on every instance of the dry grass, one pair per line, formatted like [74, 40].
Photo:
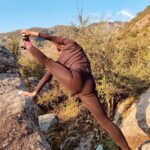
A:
[68, 110]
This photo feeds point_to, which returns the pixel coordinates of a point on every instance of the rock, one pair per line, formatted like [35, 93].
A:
[100, 147]
[145, 146]
[122, 109]
[70, 142]
[47, 121]
[7, 61]
[85, 144]
[77, 143]
[19, 127]
[136, 126]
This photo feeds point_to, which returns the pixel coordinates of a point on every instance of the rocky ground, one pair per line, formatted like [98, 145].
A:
[19, 127]
[136, 123]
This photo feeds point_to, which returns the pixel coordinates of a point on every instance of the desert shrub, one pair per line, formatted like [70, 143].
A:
[120, 67]
[30, 68]
[13, 46]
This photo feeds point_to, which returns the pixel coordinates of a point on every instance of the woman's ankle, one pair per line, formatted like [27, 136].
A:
[27, 44]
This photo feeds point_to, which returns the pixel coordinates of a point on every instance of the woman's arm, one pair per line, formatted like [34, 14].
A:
[55, 39]
[30, 33]
[41, 83]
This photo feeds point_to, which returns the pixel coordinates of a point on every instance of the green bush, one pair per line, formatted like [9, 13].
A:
[120, 67]
[30, 68]
[13, 46]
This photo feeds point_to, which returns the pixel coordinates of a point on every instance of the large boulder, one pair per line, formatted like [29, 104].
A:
[19, 127]
[47, 121]
[136, 126]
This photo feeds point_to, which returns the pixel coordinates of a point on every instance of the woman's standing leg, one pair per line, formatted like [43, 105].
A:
[92, 103]
[89, 97]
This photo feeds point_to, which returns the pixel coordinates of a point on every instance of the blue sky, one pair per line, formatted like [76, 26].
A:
[19, 14]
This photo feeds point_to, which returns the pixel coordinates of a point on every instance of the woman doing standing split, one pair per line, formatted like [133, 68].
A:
[73, 71]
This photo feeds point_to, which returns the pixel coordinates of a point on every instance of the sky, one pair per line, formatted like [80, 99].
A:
[22, 14]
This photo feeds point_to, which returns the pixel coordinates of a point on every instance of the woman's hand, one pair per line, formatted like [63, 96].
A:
[30, 33]
[26, 93]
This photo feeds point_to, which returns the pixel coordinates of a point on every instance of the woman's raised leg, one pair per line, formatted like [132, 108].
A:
[69, 79]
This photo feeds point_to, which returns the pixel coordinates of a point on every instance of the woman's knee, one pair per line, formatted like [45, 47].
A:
[94, 106]
[75, 90]
[48, 62]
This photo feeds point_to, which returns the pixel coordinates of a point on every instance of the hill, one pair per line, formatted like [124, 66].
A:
[140, 25]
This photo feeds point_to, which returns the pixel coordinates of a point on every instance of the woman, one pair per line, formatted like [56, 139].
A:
[73, 71]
